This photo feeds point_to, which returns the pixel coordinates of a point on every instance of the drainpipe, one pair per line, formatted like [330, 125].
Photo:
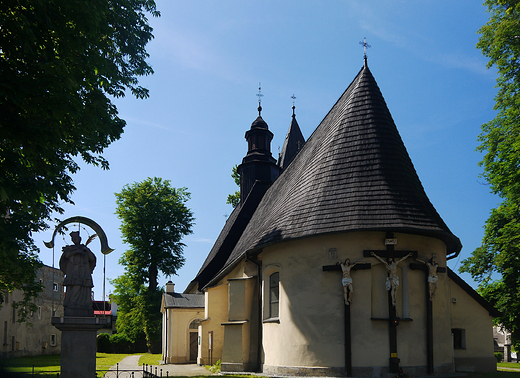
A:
[259, 286]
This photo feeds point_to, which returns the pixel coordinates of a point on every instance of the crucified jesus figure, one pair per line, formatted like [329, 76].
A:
[348, 289]
[432, 275]
[392, 281]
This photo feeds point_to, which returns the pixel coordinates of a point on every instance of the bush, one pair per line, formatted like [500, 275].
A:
[499, 356]
[120, 343]
[103, 343]
[215, 368]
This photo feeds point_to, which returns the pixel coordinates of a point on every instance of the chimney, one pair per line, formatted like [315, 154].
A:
[170, 287]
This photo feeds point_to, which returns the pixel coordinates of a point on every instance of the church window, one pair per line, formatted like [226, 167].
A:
[459, 338]
[274, 291]
[53, 339]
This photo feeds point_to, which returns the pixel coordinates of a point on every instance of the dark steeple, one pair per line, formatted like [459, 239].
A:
[258, 164]
[293, 143]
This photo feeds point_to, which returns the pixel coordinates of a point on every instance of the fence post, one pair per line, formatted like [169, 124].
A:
[117, 370]
[161, 372]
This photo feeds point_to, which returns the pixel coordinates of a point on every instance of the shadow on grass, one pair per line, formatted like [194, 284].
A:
[40, 361]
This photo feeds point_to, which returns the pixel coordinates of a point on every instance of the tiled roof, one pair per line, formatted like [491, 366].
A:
[175, 300]
[353, 174]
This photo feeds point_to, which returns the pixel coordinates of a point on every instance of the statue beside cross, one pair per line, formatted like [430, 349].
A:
[432, 275]
[348, 288]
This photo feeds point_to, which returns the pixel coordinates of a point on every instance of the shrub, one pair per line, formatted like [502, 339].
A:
[215, 368]
[499, 356]
[103, 343]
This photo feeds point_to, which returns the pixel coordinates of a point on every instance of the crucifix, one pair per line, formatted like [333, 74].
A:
[431, 269]
[346, 268]
[391, 254]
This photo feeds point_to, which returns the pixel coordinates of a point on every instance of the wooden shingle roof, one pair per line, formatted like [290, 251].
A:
[229, 236]
[353, 174]
[292, 144]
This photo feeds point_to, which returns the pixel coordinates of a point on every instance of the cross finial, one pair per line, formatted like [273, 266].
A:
[260, 95]
[365, 46]
[293, 107]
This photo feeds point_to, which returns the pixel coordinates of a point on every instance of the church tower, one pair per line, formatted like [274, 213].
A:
[258, 164]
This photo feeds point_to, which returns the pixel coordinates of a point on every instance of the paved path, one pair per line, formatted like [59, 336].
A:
[172, 370]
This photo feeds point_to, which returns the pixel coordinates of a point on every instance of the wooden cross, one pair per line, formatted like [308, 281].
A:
[348, 338]
[429, 313]
[393, 319]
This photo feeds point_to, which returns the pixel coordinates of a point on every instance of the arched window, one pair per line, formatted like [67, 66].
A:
[195, 324]
[274, 291]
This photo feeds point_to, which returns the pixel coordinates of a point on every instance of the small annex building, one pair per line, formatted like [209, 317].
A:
[181, 317]
[277, 300]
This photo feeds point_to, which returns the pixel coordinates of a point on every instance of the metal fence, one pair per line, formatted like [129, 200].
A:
[146, 371]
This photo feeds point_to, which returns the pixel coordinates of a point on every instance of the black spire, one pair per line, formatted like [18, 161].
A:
[293, 143]
[258, 164]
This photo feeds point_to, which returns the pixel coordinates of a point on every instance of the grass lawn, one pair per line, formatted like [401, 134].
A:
[498, 374]
[150, 359]
[506, 365]
[50, 365]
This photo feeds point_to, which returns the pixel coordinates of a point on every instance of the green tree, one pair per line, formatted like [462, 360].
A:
[234, 199]
[61, 62]
[496, 263]
[154, 219]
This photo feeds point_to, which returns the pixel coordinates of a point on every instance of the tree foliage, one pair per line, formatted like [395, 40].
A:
[234, 199]
[154, 219]
[60, 63]
[496, 263]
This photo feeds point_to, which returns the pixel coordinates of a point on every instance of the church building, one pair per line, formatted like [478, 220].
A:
[334, 261]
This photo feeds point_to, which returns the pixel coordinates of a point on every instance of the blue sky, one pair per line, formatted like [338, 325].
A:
[209, 58]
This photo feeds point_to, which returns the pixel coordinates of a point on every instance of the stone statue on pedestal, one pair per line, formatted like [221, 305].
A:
[77, 262]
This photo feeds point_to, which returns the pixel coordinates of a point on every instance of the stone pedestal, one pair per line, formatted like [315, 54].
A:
[78, 345]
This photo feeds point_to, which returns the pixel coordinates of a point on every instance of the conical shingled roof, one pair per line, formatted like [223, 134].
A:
[353, 174]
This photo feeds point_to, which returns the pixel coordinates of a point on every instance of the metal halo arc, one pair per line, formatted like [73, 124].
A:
[105, 249]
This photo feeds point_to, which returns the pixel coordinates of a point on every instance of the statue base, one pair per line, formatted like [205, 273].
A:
[78, 345]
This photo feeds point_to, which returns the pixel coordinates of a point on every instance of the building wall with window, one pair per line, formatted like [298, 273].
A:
[36, 336]
[302, 312]
[472, 328]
